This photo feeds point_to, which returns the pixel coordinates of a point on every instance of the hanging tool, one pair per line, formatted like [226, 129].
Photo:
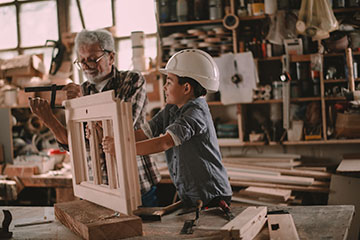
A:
[4, 230]
[188, 224]
[286, 79]
[58, 52]
[53, 88]
[236, 78]
[223, 205]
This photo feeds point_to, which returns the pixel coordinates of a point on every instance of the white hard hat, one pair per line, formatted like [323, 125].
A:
[195, 64]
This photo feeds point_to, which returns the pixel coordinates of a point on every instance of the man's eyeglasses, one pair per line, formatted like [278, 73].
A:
[90, 63]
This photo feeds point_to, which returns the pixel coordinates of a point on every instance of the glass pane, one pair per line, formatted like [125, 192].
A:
[97, 14]
[127, 17]
[38, 23]
[6, 1]
[47, 53]
[8, 54]
[8, 33]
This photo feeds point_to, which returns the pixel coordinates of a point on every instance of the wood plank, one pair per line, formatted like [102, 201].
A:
[91, 221]
[244, 221]
[231, 170]
[256, 202]
[239, 183]
[281, 226]
[304, 181]
[256, 159]
[350, 165]
[278, 194]
[291, 172]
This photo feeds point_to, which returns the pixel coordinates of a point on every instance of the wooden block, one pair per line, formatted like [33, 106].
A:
[91, 221]
[281, 226]
[349, 166]
[279, 194]
[246, 221]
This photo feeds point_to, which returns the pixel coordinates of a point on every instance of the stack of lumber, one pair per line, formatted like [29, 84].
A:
[271, 179]
[214, 41]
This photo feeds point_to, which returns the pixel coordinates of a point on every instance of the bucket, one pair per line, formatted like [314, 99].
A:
[295, 133]
[10, 98]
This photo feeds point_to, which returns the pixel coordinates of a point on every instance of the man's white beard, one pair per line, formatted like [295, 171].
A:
[95, 80]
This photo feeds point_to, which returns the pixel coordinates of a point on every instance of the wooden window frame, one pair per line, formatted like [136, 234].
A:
[122, 193]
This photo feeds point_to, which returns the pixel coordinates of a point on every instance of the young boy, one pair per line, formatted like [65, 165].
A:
[185, 131]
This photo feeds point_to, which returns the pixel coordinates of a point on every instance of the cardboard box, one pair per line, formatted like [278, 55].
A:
[23, 65]
[347, 125]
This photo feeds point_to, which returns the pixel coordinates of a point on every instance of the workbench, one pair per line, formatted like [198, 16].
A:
[61, 183]
[312, 222]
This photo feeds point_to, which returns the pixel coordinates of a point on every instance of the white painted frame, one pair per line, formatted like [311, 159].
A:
[123, 190]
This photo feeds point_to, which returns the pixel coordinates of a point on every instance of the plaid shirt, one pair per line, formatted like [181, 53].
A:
[130, 87]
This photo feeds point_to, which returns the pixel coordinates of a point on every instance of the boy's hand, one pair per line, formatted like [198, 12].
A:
[108, 145]
[41, 108]
[97, 127]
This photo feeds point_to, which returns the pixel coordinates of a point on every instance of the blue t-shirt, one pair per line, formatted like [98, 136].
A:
[195, 161]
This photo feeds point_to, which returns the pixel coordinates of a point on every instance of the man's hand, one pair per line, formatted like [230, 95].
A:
[108, 145]
[72, 90]
[41, 108]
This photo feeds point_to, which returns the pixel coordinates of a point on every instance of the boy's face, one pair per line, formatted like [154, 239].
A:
[174, 92]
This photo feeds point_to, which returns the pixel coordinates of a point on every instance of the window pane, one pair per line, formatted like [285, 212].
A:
[47, 53]
[97, 14]
[130, 17]
[38, 23]
[8, 34]
[6, 1]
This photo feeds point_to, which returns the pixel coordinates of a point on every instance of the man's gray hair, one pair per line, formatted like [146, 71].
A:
[103, 37]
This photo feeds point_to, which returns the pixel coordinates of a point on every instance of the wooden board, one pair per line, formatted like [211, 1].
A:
[91, 221]
[245, 222]
[349, 166]
[281, 226]
[305, 181]
[278, 194]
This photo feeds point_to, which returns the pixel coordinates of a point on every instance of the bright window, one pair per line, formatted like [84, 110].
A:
[8, 27]
[38, 22]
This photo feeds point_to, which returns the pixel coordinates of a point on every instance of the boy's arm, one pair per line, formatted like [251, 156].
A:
[140, 135]
[154, 145]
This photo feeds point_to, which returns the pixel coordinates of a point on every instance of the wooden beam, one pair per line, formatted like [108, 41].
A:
[246, 221]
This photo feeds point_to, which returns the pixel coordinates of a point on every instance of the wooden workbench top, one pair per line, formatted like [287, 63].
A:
[312, 222]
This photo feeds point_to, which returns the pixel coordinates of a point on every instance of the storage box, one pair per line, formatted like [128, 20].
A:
[23, 65]
[347, 125]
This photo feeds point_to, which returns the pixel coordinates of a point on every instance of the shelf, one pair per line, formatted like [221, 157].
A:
[339, 54]
[277, 58]
[234, 142]
[335, 99]
[251, 18]
[339, 80]
[214, 103]
[201, 22]
[304, 99]
[346, 10]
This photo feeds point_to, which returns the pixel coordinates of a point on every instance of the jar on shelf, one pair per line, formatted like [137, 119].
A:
[215, 9]
[182, 10]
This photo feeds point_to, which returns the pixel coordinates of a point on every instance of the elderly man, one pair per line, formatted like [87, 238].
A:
[96, 57]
